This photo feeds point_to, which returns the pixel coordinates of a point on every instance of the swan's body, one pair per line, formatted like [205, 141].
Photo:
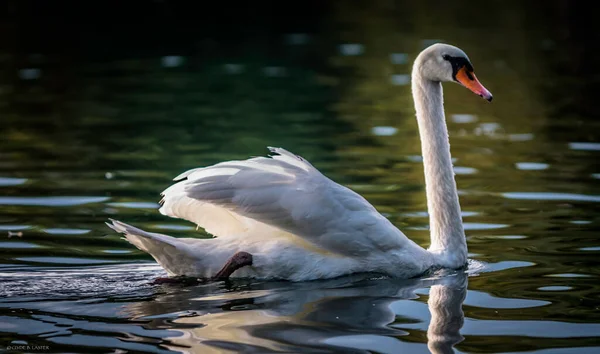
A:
[299, 225]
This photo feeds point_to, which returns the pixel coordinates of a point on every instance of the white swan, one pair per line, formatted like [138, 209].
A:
[280, 218]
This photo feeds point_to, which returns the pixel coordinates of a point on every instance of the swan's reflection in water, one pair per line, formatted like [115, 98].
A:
[350, 314]
[447, 317]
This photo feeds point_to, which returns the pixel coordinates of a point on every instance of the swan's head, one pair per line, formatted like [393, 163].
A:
[443, 62]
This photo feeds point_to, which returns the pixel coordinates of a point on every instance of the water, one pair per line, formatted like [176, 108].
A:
[96, 128]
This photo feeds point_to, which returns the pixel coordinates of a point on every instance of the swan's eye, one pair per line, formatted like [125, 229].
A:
[446, 57]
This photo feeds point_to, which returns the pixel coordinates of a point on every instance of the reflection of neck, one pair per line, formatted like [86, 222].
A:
[447, 233]
[447, 318]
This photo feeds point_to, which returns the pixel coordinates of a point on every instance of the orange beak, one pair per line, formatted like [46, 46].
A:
[469, 80]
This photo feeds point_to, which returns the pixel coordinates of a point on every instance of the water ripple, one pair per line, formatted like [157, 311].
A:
[585, 146]
[8, 181]
[59, 231]
[552, 196]
[51, 201]
[135, 205]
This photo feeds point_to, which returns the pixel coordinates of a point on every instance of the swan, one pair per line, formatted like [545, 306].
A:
[278, 217]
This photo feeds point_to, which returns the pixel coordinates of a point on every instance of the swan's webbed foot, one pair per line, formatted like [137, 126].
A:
[237, 261]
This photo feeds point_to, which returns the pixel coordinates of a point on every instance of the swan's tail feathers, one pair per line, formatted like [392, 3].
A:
[171, 253]
[145, 241]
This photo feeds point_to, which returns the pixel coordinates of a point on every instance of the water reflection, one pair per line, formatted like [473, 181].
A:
[355, 312]
[116, 306]
[447, 318]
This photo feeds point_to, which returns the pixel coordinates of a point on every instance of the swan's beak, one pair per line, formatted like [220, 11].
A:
[469, 80]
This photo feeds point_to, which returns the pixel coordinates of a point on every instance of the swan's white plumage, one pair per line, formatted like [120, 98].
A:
[284, 197]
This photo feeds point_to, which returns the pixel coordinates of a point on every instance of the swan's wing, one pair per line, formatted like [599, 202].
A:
[284, 194]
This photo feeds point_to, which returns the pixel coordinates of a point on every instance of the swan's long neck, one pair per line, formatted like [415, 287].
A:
[448, 241]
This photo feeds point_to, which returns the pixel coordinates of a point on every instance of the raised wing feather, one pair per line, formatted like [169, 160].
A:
[283, 193]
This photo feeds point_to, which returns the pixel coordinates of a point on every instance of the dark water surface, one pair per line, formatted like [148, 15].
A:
[100, 108]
